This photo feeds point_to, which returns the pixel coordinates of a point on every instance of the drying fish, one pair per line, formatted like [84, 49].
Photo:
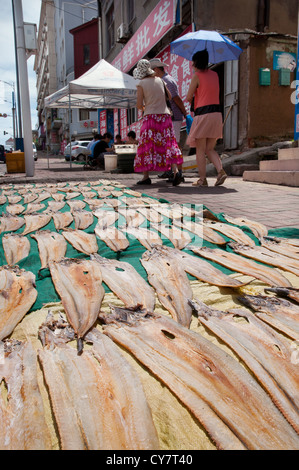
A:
[17, 295]
[35, 222]
[76, 205]
[16, 247]
[264, 351]
[15, 209]
[262, 254]
[270, 276]
[29, 198]
[14, 199]
[43, 196]
[215, 387]
[230, 231]
[72, 195]
[279, 313]
[55, 206]
[33, 207]
[83, 219]
[106, 217]
[258, 229]
[58, 197]
[78, 282]
[289, 292]
[113, 237]
[3, 200]
[82, 241]
[88, 194]
[10, 223]
[22, 414]
[151, 214]
[201, 269]
[123, 279]
[112, 202]
[281, 248]
[171, 284]
[146, 237]
[133, 218]
[62, 220]
[179, 238]
[94, 204]
[201, 230]
[51, 246]
[133, 202]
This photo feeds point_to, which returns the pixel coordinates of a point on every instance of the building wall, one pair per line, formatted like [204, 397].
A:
[85, 36]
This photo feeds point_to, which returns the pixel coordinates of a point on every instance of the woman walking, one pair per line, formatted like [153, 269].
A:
[157, 147]
[207, 124]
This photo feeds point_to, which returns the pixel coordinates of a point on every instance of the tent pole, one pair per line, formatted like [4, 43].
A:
[70, 135]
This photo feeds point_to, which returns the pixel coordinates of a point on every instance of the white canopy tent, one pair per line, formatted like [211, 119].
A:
[103, 86]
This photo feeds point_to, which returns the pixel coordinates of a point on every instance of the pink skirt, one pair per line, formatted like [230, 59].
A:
[157, 148]
[206, 126]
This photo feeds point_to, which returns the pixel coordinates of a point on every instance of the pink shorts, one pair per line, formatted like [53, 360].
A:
[205, 126]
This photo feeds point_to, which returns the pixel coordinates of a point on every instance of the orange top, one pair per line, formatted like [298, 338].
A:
[208, 90]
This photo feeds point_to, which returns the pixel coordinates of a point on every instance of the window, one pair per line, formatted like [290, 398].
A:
[131, 10]
[86, 54]
[83, 114]
[132, 116]
[110, 27]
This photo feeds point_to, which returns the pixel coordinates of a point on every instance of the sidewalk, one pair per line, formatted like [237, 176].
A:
[273, 205]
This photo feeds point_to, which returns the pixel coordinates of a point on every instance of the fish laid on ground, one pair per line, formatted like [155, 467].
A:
[62, 220]
[289, 241]
[123, 279]
[214, 386]
[35, 222]
[15, 209]
[171, 284]
[279, 313]
[97, 398]
[230, 231]
[14, 199]
[51, 246]
[3, 200]
[76, 205]
[258, 229]
[262, 254]
[112, 202]
[43, 196]
[132, 217]
[146, 237]
[17, 295]
[201, 230]
[16, 247]
[88, 194]
[94, 204]
[150, 214]
[281, 248]
[201, 269]
[105, 217]
[10, 223]
[58, 197]
[179, 238]
[83, 219]
[72, 195]
[29, 198]
[22, 414]
[266, 353]
[33, 207]
[133, 202]
[289, 292]
[55, 206]
[78, 282]
[82, 241]
[270, 276]
[114, 238]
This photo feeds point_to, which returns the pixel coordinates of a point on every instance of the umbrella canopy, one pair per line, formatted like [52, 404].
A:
[102, 86]
[219, 47]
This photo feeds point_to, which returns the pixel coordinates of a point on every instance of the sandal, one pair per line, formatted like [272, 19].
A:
[200, 182]
[220, 178]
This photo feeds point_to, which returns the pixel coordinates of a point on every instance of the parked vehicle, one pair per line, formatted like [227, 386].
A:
[2, 154]
[79, 150]
[34, 152]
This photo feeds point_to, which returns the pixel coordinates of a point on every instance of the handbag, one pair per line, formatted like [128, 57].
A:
[168, 104]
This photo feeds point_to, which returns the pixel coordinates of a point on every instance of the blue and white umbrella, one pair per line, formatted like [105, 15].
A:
[219, 47]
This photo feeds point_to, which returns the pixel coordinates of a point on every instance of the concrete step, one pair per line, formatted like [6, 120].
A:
[280, 165]
[238, 170]
[288, 153]
[284, 178]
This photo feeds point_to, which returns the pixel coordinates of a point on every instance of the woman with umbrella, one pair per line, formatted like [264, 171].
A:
[207, 123]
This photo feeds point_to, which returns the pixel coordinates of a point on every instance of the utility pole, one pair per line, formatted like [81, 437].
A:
[24, 85]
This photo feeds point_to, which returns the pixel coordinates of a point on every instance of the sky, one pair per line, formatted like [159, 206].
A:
[31, 14]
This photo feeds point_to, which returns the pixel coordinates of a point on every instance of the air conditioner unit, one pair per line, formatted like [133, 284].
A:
[123, 33]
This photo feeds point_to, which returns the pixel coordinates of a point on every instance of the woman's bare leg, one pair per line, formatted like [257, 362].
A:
[201, 157]
[213, 155]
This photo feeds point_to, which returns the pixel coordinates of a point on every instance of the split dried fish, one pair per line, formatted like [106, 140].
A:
[72, 195]
[78, 282]
[35, 222]
[82, 241]
[10, 223]
[76, 205]
[15, 209]
[290, 292]
[58, 197]
[171, 284]
[179, 238]
[279, 313]
[132, 217]
[270, 276]
[123, 279]
[83, 219]
[22, 414]
[215, 387]
[151, 214]
[33, 207]
[281, 248]
[202, 231]
[114, 238]
[3, 200]
[146, 237]
[105, 217]
[14, 199]
[17, 295]
[258, 229]
[29, 198]
[51, 246]
[62, 220]
[43, 196]
[16, 247]
[267, 354]
[55, 206]
[230, 231]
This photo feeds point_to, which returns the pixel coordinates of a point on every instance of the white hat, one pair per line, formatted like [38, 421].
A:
[142, 70]
[157, 63]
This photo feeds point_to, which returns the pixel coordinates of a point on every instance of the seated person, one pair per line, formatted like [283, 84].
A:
[132, 138]
[118, 140]
[93, 143]
[100, 148]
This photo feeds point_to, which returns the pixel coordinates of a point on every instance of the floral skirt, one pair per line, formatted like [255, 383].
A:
[157, 148]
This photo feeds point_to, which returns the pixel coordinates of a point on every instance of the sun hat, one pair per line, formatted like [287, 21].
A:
[157, 63]
[142, 70]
